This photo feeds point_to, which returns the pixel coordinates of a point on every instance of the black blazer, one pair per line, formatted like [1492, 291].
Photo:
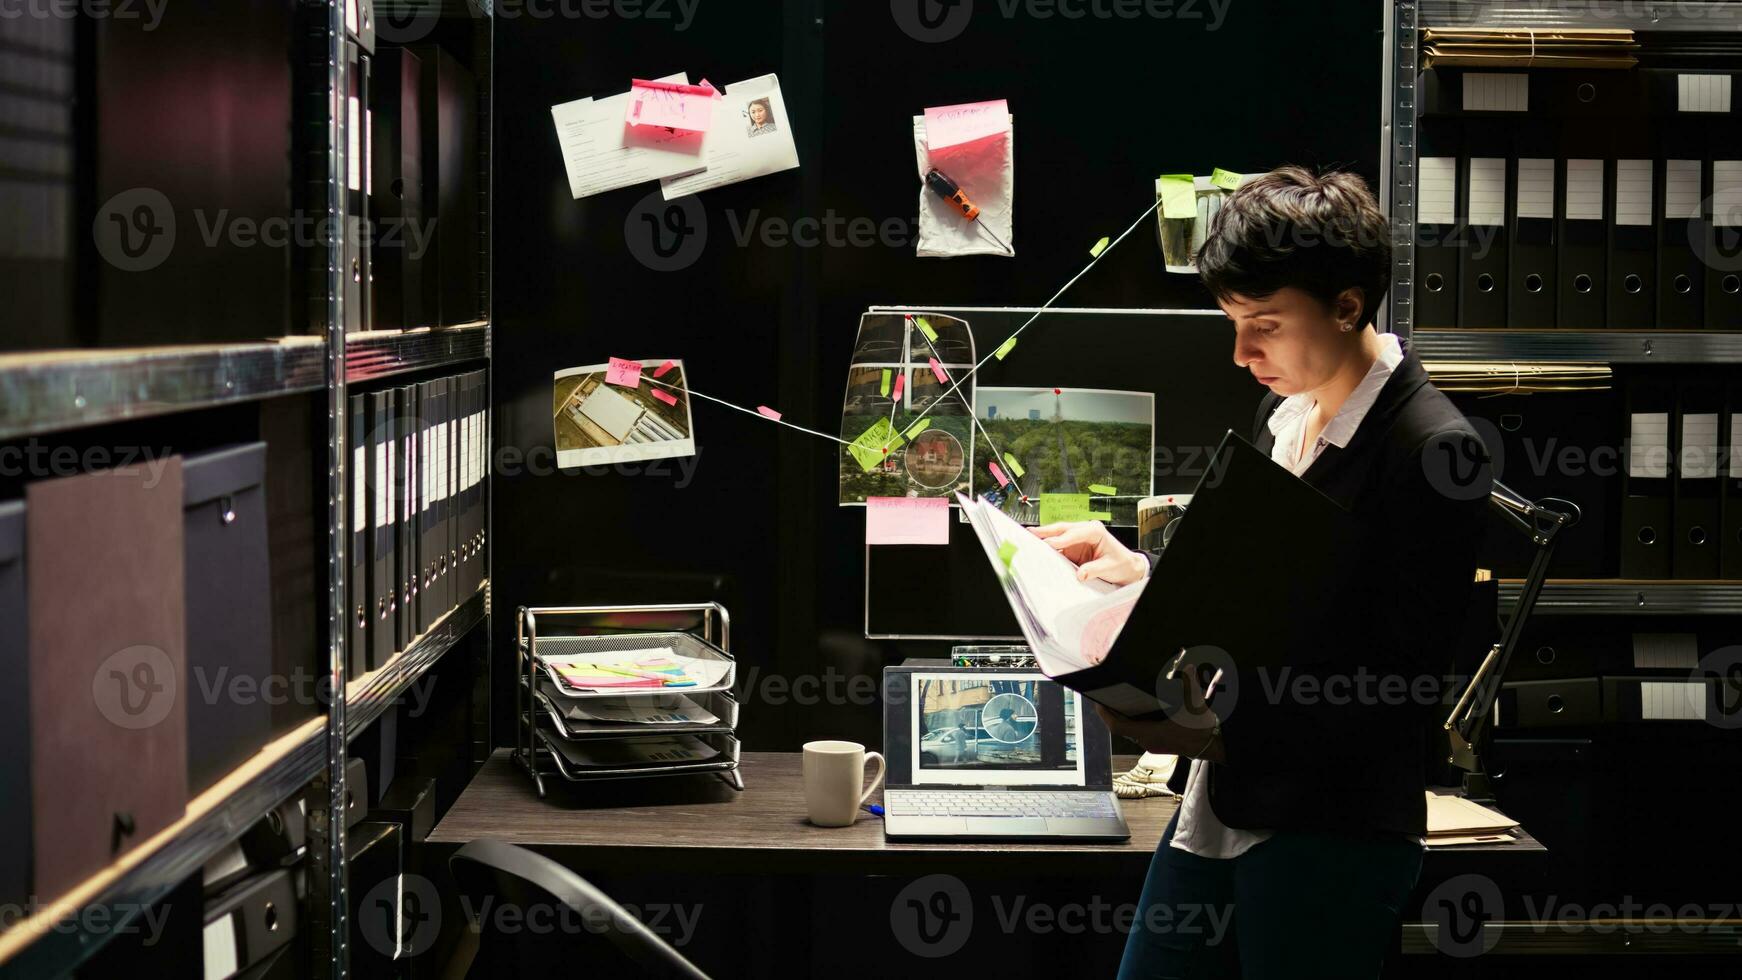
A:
[1416, 475]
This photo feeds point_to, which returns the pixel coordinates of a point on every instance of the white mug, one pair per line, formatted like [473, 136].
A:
[833, 774]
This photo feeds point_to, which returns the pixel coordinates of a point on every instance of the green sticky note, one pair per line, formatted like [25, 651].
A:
[1100, 246]
[1178, 199]
[1103, 489]
[1015, 467]
[1101, 515]
[869, 448]
[1057, 507]
[1005, 348]
[888, 376]
[1227, 180]
[1007, 551]
[917, 427]
[925, 328]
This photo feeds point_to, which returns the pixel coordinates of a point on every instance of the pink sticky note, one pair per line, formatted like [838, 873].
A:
[664, 396]
[998, 474]
[771, 413]
[671, 104]
[896, 394]
[938, 369]
[667, 366]
[953, 125]
[622, 372]
[907, 520]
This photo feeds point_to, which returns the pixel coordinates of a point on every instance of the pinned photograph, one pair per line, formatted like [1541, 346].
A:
[1077, 453]
[908, 433]
[761, 117]
[599, 423]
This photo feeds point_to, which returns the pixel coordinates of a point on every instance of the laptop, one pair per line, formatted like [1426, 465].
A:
[993, 752]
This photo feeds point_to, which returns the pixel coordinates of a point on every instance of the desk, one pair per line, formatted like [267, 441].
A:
[681, 824]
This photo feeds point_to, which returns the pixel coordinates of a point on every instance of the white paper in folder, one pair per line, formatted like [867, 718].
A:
[601, 152]
[750, 137]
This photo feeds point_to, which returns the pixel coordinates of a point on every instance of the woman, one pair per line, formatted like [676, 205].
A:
[1303, 813]
[760, 119]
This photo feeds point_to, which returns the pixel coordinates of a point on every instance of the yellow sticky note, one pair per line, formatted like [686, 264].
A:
[1100, 246]
[1057, 507]
[1101, 515]
[869, 448]
[917, 427]
[1103, 489]
[1015, 467]
[1178, 199]
[888, 376]
[1007, 551]
[1227, 180]
[1005, 348]
[925, 328]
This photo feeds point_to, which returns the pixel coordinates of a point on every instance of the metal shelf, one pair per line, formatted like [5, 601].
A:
[65, 931]
[1639, 15]
[1620, 597]
[370, 695]
[1611, 346]
[381, 353]
[55, 390]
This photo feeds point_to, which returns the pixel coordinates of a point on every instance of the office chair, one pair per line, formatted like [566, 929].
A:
[555, 923]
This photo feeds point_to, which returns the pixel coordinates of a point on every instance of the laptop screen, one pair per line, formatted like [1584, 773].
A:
[990, 727]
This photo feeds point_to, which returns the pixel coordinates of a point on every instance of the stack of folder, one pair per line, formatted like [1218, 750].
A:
[1525, 47]
[1453, 820]
[419, 469]
[1517, 377]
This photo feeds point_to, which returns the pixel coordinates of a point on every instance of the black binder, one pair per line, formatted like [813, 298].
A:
[1723, 242]
[1681, 152]
[1437, 223]
[1646, 525]
[405, 547]
[1633, 237]
[251, 920]
[360, 617]
[427, 550]
[1530, 281]
[442, 502]
[1698, 520]
[468, 445]
[1731, 549]
[1581, 191]
[381, 535]
[1482, 200]
[397, 196]
[356, 219]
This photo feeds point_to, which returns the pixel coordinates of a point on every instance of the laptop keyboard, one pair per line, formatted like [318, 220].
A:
[998, 803]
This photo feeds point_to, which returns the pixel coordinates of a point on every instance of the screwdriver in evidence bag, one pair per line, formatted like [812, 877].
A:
[952, 192]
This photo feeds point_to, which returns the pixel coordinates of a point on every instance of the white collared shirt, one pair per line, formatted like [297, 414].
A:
[1198, 831]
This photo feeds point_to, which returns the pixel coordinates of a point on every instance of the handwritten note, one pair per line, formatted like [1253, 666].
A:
[874, 444]
[907, 520]
[1226, 179]
[1061, 507]
[1103, 489]
[938, 369]
[664, 396]
[1178, 199]
[769, 412]
[659, 372]
[998, 474]
[621, 372]
[671, 104]
[954, 125]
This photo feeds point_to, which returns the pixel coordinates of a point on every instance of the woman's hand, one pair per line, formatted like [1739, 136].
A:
[1168, 737]
[1095, 552]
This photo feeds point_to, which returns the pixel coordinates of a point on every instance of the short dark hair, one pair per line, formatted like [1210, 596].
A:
[1319, 233]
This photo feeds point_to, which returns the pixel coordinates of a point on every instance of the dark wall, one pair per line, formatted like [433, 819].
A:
[1102, 106]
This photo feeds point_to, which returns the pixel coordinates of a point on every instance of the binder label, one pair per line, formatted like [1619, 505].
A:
[380, 485]
[1633, 192]
[1648, 445]
[1681, 189]
[1735, 445]
[359, 504]
[1536, 187]
[1727, 193]
[1672, 700]
[1495, 91]
[1702, 93]
[1699, 446]
[1584, 190]
[1438, 192]
[354, 149]
[1488, 191]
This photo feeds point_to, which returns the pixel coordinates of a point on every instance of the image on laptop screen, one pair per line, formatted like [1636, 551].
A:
[994, 729]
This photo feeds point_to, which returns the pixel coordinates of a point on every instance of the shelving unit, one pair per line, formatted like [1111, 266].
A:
[1405, 19]
[61, 391]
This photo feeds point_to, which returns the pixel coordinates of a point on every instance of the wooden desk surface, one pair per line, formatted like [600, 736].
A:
[700, 823]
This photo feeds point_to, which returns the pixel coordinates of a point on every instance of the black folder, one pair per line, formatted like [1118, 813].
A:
[1482, 200]
[1250, 520]
[251, 920]
[1681, 150]
[450, 177]
[463, 484]
[426, 519]
[1581, 191]
[356, 219]
[442, 455]
[1633, 235]
[1646, 525]
[1437, 222]
[405, 544]
[381, 534]
[1530, 281]
[397, 196]
[360, 614]
[1731, 549]
[1698, 519]
[1723, 242]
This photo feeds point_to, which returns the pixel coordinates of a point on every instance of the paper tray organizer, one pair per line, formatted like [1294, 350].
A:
[557, 735]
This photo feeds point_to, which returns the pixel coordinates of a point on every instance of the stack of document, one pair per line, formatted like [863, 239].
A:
[1454, 820]
[651, 669]
[1524, 47]
[1070, 624]
[690, 138]
[1516, 377]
